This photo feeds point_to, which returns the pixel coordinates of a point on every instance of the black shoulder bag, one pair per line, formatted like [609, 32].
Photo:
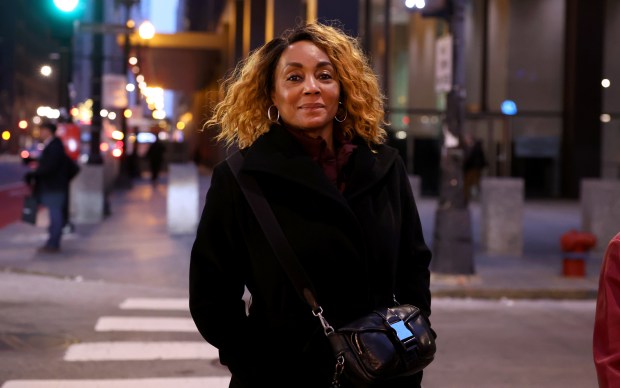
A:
[386, 344]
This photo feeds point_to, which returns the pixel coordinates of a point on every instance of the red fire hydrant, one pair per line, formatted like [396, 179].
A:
[576, 247]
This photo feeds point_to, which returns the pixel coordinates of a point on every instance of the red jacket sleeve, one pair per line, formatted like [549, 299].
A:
[606, 342]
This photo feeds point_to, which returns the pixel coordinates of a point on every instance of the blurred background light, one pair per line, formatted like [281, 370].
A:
[46, 70]
[509, 108]
[145, 137]
[146, 30]
[66, 5]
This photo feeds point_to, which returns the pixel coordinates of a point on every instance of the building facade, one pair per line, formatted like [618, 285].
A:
[554, 60]
[30, 38]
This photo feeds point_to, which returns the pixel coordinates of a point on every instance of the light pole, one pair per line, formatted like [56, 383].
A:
[124, 175]
[94, 156]
[69, 11]
[452, 245]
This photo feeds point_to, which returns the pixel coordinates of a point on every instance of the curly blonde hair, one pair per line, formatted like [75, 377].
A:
[242, 113]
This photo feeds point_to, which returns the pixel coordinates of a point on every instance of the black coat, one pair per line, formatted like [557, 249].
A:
[359, 248]
[52, 174]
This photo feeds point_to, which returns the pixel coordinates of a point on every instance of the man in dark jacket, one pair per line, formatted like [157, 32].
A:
[155, 155]
[50, 183]
[475, 162]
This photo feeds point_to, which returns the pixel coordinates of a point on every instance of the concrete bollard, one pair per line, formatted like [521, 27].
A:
[182, 201]
[501, 208]
[86, 198]
[414, 181]
[600, 209]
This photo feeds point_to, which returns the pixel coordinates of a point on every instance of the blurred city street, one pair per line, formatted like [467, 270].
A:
[512, 101]
[111, 309]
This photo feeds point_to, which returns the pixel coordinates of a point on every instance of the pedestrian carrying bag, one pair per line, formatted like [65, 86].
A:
[386, 344]
[72, 167]
[29, 210]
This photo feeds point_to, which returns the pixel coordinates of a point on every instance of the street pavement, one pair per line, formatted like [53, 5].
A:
[12, 188]
[516, 322]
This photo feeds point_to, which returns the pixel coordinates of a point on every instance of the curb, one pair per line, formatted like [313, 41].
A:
[554, 294]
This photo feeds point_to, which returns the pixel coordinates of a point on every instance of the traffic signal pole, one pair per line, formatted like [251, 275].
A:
[94, 156]
[452, 240]
[124, 179]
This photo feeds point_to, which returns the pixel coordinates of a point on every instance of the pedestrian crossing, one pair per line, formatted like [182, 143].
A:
[125, 351]
[178, 304]
[145, 324]
[131, 350]
[188, 382]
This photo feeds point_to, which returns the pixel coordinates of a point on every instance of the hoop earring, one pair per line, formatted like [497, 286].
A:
[345, 114]
[277, 120]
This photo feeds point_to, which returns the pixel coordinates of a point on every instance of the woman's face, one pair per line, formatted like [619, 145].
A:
[306, 89]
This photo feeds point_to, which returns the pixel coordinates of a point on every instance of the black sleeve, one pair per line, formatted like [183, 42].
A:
[216, 278]
[413, 274]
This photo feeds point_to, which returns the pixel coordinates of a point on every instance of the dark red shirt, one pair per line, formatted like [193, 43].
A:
[332, 163]
[606, 341]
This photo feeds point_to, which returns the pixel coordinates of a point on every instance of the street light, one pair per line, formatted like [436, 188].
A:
[46, 70]
[415, 4]
[146, 30]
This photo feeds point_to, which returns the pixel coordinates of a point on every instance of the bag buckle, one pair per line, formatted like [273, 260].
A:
[404, 334]
[327, 328]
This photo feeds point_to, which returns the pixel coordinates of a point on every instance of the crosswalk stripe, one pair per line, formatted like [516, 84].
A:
[125, 351]
[145, 324]
[185, 382]
[155, 304]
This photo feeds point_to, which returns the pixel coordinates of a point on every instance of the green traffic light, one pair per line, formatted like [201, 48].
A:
[66, 5]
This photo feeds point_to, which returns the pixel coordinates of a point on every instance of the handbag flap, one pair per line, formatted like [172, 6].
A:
[380, 319]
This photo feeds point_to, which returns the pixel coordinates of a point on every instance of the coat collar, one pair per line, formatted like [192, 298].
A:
[278, 153]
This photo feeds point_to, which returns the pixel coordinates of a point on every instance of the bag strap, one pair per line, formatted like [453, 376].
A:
[278, 241]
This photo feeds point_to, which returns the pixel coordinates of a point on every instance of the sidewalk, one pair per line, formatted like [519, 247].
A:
[535, 274]
[136, 231]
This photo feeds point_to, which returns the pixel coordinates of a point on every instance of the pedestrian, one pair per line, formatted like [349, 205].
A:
[474, 163]
[133, 160]
[606, 344]
[306, 112]
[155, 155]
[49, 182]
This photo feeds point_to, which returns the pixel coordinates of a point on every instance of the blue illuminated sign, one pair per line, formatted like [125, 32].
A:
[509, 108]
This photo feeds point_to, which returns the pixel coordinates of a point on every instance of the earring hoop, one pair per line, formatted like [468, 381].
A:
[345, 114]
[277, 120]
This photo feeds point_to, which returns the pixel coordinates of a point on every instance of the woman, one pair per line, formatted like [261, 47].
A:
[305, 110]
